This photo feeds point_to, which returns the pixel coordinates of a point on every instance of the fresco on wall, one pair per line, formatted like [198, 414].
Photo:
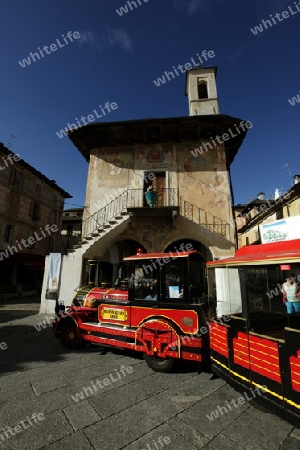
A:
[114, 165]
[154, 154]
[154, 236]
[203, 179]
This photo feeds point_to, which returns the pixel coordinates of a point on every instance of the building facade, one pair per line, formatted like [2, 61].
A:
[71, 228]
[262, 217]
[155, 185]
[30, 218]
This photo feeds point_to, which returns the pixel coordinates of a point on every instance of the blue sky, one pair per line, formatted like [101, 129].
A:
[117, 58]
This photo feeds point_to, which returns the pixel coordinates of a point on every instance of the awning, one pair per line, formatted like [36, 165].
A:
[272, 253]
[173, 254]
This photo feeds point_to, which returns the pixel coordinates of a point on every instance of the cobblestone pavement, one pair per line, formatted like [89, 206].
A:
[120, 402]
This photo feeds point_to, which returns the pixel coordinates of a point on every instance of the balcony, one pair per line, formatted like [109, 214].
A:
[163, 202]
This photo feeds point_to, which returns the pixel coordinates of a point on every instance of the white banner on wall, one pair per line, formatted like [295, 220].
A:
[280, 230]
[54, 271]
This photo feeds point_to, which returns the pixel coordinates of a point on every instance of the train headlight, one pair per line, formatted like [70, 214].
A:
[188, 321]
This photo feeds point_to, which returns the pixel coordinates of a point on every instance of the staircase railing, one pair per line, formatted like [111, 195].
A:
[204, 218]
[100, 219]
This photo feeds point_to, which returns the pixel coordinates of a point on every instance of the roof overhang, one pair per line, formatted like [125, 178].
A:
[157, 131]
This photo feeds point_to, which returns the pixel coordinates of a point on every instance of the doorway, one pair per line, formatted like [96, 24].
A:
[157, 182]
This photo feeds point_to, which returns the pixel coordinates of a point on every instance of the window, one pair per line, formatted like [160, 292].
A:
[279, 214]
[52, 217]
[17, 178]
[202, 90]
[174, 280]
[8, 234]
[144, 281]
[50, 244]
[33, 245]
[35, 211]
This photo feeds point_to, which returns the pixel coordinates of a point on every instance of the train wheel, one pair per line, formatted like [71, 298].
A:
[159, 364]
[69, 336]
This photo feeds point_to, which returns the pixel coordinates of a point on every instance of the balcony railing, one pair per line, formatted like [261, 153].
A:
[164, 197]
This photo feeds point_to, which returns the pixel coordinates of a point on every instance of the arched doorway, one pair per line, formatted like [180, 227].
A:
[104, 271]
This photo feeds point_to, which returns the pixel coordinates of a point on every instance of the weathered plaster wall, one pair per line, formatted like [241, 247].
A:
[203, 189]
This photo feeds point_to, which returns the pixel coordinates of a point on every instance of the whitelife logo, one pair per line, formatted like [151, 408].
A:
[101, 384]
[218, 140]
[268, 23]
[187, 66]
[10, 160]
[21, 426]
[236, 403]
[124, 9]
[292, 101]
[31, 240]
[90, 118]
[53, 47]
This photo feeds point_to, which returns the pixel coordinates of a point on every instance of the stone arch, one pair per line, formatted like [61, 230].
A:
[105, 267]
[197, 245]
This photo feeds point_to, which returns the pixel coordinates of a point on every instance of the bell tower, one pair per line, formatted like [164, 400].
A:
[201, 89]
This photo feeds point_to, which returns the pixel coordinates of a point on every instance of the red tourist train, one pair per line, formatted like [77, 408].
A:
[240, 324]
[155, 308]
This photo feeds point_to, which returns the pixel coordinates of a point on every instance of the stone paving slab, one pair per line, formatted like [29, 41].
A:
[253, 429]
[76, 441]
[162, 437]
[132, 412]
[81, 415]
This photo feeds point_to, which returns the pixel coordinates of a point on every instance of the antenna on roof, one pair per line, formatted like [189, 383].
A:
[289, 170]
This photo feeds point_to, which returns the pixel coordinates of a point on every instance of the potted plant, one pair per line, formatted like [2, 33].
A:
[151, 197]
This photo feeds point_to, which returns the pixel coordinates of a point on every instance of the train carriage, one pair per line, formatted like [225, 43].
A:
[259, 347]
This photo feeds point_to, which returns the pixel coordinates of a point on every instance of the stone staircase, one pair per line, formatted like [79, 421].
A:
[101, 223]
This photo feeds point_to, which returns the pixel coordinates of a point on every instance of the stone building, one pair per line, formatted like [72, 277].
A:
[155, 184]
[71, 228]
[264, 220]
[30, 204]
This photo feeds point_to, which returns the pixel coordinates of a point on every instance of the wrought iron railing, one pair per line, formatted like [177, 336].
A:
[204, 218]
[164, 197]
